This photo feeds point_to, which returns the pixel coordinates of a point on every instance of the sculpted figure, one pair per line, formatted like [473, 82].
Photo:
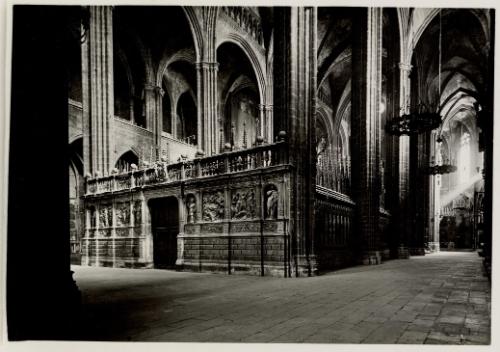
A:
[272, 204]
[191, 209]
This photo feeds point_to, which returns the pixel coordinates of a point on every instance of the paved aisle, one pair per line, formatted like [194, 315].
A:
[439, 298]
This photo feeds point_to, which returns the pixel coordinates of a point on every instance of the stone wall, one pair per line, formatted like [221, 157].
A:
[234, 223]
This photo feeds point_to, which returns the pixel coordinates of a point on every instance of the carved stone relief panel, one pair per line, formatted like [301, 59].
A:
[213, 206]
[122, 214]
[243, 204]
[105, 216]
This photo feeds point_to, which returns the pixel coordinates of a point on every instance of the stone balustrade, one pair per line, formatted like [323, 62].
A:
[263, 156]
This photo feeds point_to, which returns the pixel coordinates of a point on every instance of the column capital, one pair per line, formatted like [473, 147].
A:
[155, 88]
[207, 65]
[265, 107]
[405, 67]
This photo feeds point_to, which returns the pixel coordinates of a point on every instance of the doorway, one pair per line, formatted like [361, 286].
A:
[165, 228]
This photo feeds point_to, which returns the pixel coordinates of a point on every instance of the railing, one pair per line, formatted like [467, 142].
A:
[334, 173]
[334, 222]
[161, 172]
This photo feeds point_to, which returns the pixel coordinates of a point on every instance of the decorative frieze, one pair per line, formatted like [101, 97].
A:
[104, 232]
[270, 226]
[189, 229]
[245, 227]
[122, 232]
[212, 228]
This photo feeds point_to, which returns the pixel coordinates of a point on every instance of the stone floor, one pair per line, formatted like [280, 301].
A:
[437, 299]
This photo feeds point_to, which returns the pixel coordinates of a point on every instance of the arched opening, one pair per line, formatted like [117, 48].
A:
[451, 75]
[75, 74]
[186, 118]
[333, 231]
[122, 89]
[76, 192]
[124, 163]
[238, 98]
[164, 228]
[334, 97]
[241, 118]
[179, 80]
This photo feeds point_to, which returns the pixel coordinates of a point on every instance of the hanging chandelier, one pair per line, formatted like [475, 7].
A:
[441, 169]
[438, 167]
[423, 119]
[414, 123]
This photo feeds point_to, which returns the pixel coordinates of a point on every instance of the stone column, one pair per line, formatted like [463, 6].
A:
[404, 163]
[295, 68]
[98, 95]
[435, 188]
[419, 197]
[261, 126]
[266, 122]
[153, 98]
[366, 97]
[208, 128]
[43, 301]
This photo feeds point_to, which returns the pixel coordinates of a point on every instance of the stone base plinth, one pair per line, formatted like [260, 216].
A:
[306, 266]
[434, 247]
[403, 252]
[417, 251]
[371, 258]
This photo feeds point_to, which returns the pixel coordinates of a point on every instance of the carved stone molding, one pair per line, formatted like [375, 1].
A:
[212, 228]
[245, 227]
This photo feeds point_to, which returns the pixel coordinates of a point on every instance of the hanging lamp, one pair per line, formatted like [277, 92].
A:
[423, 119]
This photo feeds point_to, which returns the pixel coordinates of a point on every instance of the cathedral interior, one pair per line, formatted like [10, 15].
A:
[268, 141]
